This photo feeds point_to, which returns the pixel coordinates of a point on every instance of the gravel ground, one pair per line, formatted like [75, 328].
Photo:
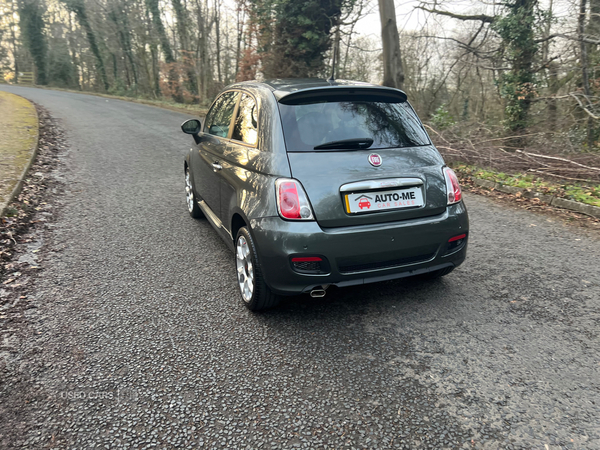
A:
[134, 337]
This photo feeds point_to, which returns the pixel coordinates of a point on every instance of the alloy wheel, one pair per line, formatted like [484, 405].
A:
[245, 269]
[189, 193]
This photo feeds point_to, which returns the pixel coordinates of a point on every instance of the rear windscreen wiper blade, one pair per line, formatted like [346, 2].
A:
[357, 143]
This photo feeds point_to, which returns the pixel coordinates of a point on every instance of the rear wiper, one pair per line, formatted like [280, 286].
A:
[357, 143]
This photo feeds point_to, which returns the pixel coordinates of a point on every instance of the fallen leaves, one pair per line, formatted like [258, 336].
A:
[20, 217]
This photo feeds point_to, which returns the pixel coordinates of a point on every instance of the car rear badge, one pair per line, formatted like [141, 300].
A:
[375, 160]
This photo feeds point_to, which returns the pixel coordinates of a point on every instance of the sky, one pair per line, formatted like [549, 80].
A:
[406, 18]
[410, 19]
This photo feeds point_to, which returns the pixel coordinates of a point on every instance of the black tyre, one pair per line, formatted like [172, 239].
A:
[256, 295]
[190, 197]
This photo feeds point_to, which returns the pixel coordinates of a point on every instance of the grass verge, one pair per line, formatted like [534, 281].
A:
[18, 143]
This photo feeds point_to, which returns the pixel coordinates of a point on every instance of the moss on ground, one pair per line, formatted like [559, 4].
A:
[18, 140]
[588, 193]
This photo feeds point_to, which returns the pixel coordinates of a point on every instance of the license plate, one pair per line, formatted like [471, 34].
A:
[363, 202]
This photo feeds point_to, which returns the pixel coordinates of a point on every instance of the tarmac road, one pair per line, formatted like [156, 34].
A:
[139, 339]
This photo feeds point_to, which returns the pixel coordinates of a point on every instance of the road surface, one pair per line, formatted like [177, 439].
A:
[139, 340]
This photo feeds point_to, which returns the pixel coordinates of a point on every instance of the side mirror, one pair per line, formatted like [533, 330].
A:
[191, 126]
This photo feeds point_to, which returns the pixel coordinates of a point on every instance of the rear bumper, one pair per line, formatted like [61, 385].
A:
[360, 254]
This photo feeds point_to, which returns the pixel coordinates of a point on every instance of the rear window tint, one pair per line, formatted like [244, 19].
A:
[389, 124]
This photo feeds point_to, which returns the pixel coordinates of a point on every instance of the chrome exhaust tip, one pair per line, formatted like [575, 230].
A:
[317, 293]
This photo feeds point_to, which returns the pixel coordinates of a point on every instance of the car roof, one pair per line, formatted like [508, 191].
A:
[285, 87]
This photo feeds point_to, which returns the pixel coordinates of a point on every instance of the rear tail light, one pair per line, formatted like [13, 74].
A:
[292, 202]
[452, 186]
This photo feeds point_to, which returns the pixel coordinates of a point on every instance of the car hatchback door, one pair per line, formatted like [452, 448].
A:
[362, 159]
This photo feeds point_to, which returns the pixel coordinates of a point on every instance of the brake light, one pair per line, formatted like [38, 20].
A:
[292, 202]
[452, 186]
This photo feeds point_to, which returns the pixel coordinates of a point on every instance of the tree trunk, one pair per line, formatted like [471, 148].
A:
[124, 38]
[239, 37]
[155, 71]
[218, 31]
[32, 28]
[584, 71]
[345, 66]
[393, 74]
[204, 68]
[184, 43]
[166, 49]
[78, 7]
[547, 29]
[73, 50]
[593, 28]
[14, 44]
[553, 90]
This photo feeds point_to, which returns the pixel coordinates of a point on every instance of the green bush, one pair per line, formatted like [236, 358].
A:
[442, 118]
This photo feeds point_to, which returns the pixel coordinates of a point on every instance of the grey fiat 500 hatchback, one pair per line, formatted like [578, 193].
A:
[316, 183]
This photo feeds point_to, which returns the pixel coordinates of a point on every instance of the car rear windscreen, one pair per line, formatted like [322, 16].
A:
[388, 124]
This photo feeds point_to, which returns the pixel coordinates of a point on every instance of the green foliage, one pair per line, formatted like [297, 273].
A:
[79, 9]
[294, 36]
[442, 118]
[32, 28]
[11, 212]
[518, 86]
[121, 89]
[61, 71]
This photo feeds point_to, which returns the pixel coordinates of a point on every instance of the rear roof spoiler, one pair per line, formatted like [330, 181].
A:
[341, 93]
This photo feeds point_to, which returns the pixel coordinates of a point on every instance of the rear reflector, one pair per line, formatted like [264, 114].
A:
[310, 264]
[457, 238]
[307, 259]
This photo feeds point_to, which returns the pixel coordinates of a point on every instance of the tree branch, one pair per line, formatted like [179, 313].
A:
[559, 159]
[480, 17]
[591, 114]
[560, 176]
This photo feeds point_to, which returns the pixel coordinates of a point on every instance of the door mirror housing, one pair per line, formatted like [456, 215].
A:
[191, 126]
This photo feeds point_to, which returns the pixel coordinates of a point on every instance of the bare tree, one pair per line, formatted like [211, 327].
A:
[393, 73]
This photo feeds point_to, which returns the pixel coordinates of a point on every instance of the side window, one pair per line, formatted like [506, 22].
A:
[218, 118]
[246, 122]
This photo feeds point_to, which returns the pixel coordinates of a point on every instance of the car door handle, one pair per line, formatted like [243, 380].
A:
[217, 167]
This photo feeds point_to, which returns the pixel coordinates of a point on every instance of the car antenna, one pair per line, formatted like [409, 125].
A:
[332, 77]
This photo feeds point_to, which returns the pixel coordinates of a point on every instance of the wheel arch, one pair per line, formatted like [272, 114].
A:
[239, 220]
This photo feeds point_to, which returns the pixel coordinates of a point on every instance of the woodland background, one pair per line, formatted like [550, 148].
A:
[501, 85]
